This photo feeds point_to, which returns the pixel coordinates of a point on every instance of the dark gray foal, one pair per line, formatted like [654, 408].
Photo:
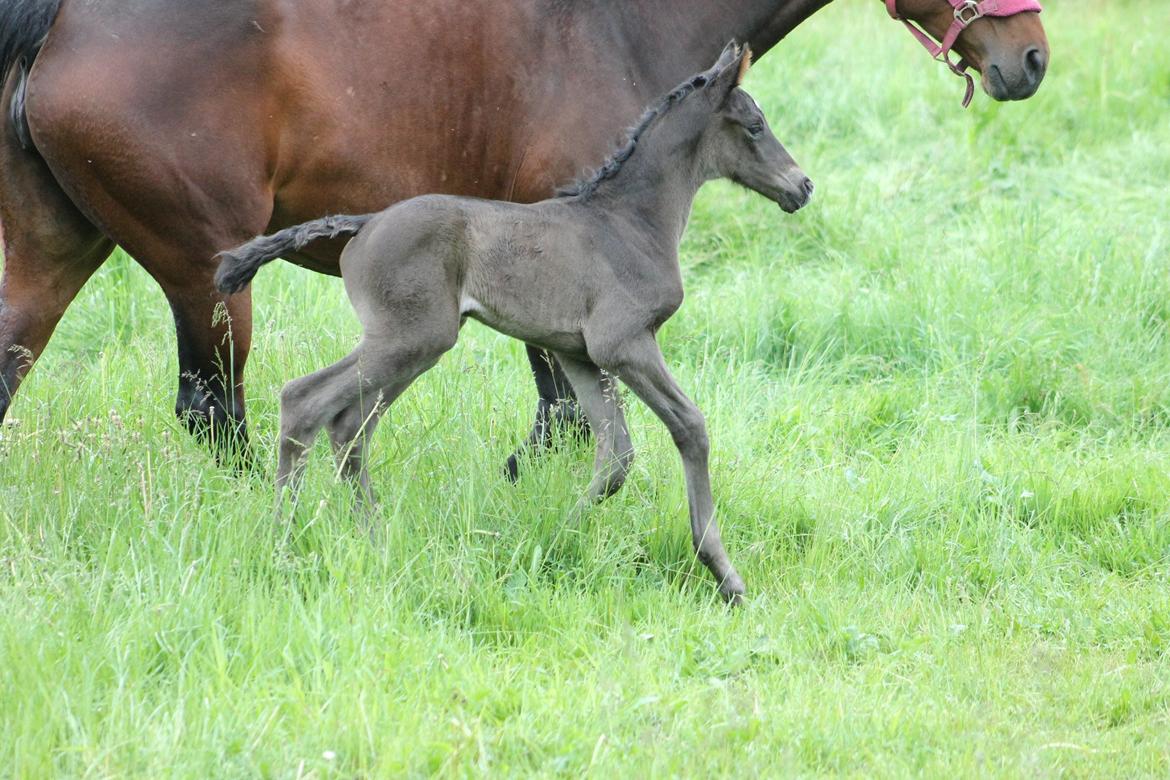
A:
[589, 275]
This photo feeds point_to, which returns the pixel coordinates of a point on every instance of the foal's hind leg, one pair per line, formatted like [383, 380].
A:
[348, 398]
[640, 365]
[598, 395]
[349, 434]
[50, 250]
[307, 404]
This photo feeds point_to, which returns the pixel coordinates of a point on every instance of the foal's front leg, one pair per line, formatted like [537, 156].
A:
[597, 393]
[639, 363]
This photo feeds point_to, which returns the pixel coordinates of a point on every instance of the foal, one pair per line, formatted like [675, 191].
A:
[589, 275]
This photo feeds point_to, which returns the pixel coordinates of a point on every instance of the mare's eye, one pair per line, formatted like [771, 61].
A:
[756, 130]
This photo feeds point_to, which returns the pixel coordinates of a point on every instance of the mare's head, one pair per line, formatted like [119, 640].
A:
[1010, 52]
[739, 145]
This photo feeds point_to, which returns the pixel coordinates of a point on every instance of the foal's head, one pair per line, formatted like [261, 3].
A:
[737, 142]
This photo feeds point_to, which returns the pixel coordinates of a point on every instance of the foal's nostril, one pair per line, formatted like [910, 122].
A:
[1034, 64]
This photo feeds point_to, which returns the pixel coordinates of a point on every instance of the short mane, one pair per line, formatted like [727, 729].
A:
[587, 185]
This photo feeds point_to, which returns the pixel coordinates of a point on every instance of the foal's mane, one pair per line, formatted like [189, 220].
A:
[587, 185]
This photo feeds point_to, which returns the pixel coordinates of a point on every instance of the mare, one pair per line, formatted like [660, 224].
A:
[589, 276]
[178, 129]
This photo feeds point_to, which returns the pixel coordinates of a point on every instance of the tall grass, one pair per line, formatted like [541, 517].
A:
[939, 402]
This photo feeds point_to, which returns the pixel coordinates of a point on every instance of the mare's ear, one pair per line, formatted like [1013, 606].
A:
[729, 70]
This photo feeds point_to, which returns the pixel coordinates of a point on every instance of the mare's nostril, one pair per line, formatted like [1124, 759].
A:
[995, 79]
[1034, 64]
[807, 187]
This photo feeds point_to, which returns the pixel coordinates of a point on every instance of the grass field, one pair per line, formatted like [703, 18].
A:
[939, 405]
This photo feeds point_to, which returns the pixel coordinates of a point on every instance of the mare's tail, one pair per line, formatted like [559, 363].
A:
[238, 266]
[24, 25]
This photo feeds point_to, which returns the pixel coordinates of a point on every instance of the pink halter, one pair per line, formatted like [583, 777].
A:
[966, 11]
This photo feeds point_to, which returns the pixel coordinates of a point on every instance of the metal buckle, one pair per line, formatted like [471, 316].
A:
[968, 12]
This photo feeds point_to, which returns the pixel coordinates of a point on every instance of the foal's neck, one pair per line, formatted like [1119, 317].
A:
[656, 187]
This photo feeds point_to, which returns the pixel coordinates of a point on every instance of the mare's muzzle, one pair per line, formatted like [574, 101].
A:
[967, 11]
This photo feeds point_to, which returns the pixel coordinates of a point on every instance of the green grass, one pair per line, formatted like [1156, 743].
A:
[939, 404]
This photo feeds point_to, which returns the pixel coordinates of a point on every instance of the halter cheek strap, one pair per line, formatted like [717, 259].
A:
[966, 11]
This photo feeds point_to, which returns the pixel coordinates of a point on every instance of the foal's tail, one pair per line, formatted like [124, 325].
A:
[238, 266]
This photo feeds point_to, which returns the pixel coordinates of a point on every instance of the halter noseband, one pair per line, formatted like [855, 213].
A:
[966, 11]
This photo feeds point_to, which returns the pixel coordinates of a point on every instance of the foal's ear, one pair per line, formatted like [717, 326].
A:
[745, 62]
[729, 70]
[729, 55]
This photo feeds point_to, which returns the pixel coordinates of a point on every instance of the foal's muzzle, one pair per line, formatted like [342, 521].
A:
[793, 199]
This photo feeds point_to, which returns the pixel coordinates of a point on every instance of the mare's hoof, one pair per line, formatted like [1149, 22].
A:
[512, 468]
[563, 416]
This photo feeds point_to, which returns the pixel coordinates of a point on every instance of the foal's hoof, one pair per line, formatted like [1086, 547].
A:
[732, 589]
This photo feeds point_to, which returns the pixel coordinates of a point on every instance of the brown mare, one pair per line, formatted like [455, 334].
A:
[179, 129]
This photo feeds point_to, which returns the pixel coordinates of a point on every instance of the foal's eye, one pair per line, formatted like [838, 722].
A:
[756, 130]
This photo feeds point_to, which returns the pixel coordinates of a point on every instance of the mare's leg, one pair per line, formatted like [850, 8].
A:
[50, 250]
[640, 365]
[597, 392]
[172, 191]
[556, 407]
[177, 248]
[214, 335]
[213, 331]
